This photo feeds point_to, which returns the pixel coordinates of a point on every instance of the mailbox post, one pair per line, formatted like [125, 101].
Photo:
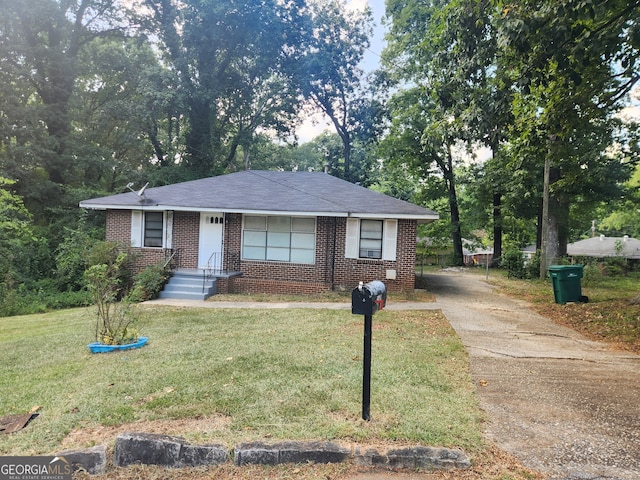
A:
[367, 299]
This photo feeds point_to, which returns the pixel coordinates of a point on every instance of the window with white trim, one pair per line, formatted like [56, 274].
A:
[279, 239]
[371, 238]
[151, 229]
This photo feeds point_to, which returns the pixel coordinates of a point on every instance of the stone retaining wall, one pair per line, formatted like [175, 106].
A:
[176, 452]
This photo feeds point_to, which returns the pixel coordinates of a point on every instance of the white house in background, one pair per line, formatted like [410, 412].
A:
[602, 247]
[528, 252]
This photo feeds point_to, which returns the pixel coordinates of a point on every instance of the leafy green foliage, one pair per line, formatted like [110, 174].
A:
[330, 76]
[233, 63]
[148, 283]
[107, 278]
[513, 260]
[72, 257]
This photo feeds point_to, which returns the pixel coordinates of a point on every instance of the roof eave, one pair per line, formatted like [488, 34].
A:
[155, 207]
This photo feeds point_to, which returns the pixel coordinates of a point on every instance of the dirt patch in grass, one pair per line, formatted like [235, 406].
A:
[186, 427]
[614, 322]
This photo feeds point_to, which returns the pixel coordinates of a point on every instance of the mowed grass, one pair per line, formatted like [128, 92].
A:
[292, 374]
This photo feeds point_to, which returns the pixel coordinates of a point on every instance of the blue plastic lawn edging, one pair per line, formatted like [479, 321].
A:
[97, 347]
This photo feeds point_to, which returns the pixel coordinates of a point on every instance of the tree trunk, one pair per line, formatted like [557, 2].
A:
[497, 227]
[456, 234]
[563, 205]
[551, 215]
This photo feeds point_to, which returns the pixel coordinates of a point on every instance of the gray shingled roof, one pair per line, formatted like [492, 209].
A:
[301, 193]
[602, 246]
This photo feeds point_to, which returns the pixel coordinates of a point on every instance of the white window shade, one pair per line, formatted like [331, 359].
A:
[352, 238]
[136, 228]
[279, 239]
[390, 240]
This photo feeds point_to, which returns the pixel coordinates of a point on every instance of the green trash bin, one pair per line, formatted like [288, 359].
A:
[567, 285]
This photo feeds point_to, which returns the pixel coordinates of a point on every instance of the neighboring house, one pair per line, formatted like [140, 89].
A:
[601, 247]
[528, 252]
[476, 254]
[271, 232]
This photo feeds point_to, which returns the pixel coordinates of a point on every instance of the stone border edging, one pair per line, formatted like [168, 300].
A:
[175, 452]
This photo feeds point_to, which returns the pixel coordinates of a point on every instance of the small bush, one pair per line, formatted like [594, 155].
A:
[513, 261]
[591, 274]
[72, 259]
[59, 300]
[532, 267]
[148, 283]
[115, 321]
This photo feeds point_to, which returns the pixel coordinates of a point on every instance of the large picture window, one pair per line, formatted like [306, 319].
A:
[279, 239]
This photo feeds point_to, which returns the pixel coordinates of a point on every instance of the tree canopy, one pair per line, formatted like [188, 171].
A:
[96, 94]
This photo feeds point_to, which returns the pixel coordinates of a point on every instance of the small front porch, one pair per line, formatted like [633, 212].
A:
[197, 283]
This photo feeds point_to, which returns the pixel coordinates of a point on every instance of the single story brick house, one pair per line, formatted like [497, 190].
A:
[271, 231]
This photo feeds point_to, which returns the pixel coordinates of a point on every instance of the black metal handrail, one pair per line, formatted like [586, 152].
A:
[209, 269]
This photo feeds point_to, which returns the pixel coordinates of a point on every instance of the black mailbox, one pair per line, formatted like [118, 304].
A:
[368, 298]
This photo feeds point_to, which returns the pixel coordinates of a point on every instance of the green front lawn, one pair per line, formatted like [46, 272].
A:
[273, 374]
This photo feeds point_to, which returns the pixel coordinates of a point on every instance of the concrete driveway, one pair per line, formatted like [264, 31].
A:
[561, 404]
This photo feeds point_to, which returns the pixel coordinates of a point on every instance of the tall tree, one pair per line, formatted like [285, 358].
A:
[330, 76]
[232, 60]
[422, 141]
[126, 115]
[573, 62]
[40, 41]
[448, 49]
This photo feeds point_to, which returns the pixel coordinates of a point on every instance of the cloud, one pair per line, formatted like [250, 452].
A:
[313, 126]
[357, 5]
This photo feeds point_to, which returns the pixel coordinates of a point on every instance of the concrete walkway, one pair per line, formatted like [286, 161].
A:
[561, 404]
[285, 305]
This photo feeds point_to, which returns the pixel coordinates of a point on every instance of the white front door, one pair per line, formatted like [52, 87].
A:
[210, 242]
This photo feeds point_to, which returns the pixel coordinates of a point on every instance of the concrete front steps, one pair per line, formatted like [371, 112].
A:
[189, 285]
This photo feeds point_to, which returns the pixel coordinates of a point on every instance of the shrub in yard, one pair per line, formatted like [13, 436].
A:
[591, 274]
[513, 261]
[614, 266]
[532, 267]
[107, 283]
[72, 257]
[148, 283]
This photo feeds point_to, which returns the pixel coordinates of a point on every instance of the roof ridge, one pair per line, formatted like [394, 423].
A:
[306, 192]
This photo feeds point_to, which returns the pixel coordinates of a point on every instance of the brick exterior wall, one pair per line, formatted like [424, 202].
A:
[330, 271]
[186, 228]
[350, 271]
[118, 229]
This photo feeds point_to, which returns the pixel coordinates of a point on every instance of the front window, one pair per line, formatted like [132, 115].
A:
[279, 239]
[371, 239]
[153, 229]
